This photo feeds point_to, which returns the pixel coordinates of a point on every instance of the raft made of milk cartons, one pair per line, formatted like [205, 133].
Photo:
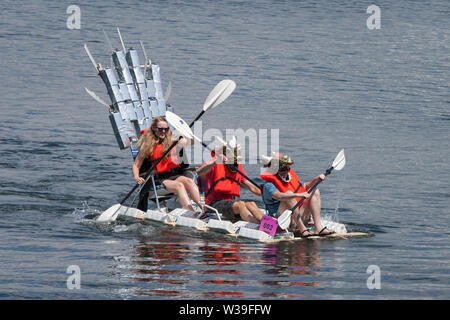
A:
[136, 95]
[213, 223]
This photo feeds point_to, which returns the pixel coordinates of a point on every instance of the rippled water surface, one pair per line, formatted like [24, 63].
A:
[311, 69]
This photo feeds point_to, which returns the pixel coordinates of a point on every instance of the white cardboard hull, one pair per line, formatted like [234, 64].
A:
[241, 229]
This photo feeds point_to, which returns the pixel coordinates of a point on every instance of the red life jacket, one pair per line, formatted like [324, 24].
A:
[166, 164]
[226, 181]
[293, 185]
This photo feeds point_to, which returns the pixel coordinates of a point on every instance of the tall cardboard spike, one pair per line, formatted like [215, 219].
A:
[135, 91]
[139, 81]
[125, 76]
[121, 40]
[158, 90]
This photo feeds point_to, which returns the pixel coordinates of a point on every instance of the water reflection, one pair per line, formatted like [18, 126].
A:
[289, 262]
[203, 269]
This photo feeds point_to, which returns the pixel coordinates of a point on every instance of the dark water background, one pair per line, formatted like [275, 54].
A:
[312, 69]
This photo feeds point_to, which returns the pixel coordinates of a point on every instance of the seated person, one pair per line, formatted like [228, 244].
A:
[283, 189]
[152, 145]
[222, 184]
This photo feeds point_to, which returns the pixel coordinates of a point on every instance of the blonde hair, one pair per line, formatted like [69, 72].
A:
[148, 141]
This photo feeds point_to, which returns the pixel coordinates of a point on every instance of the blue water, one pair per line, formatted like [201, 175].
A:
[311, 69]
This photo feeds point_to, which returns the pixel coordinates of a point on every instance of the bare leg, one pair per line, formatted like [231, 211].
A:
[190, 187]
[255, 211]
[240, 208]
[297, 215]
[178, 188]
[313, 206]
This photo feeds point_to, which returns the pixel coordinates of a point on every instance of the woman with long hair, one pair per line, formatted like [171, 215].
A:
[152, 145]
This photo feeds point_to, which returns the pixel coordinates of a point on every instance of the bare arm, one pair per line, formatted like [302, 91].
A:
[280, 196]
[308, 185]
[183, 142]
[135, 168]
[204, 169]
[250, 186]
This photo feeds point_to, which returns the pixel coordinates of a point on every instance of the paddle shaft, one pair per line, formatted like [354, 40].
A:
[312, 189]
[196, 118]
[151, 169]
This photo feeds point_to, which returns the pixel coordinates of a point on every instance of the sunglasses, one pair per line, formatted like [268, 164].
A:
[162, 129]
[284, 169]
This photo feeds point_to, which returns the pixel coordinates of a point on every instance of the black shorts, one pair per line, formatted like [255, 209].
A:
[172, 175]
[145, 190]
[225, 207]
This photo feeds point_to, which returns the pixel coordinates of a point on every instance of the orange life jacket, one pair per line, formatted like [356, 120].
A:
[293, 185]
[166, 164]
[226, 181]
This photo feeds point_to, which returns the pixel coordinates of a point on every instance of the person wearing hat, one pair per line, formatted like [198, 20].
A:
[283, 189]
[222, 183]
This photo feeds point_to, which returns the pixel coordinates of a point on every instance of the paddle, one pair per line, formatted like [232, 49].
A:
[218, 95]
[284, 220]
[184, 130]
[220, 92]
[338, 164]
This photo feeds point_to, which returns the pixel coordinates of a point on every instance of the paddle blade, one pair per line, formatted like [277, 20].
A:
[179, 124]
[284, 220]
[218, 95]
[109, 214]
[339, 161]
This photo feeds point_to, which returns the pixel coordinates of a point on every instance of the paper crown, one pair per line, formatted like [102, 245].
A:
[233, 149]
[276, 158]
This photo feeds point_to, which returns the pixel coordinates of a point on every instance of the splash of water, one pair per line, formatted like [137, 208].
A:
[85, 213]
